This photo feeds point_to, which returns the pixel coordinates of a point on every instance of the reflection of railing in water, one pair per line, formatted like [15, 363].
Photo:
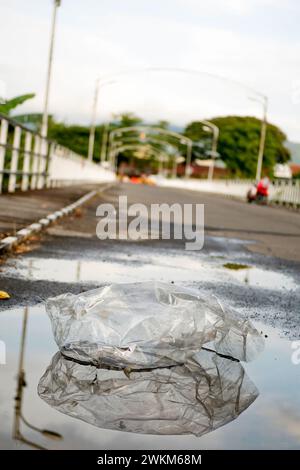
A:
[21, 383]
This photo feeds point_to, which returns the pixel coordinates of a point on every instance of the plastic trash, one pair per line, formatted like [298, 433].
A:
[195, 398]
[147, 325]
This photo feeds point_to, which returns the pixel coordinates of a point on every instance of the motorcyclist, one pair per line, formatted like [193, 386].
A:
[259, 191]
[262, 189]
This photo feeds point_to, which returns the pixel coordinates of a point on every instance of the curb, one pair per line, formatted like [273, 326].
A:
[8, 243]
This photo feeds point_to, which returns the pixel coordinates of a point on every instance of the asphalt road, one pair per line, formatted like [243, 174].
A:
[276, 231]
[69, 257]
[264, 238]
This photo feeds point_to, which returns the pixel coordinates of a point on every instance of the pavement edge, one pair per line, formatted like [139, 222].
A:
[8, 243]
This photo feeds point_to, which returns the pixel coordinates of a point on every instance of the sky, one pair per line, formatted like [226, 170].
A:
[160, 58]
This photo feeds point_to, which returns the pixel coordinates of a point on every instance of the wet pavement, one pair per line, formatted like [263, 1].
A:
[17, 210]
[69, 258]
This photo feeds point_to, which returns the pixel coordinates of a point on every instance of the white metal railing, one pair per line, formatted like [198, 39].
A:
[285, 192]
[29, 161]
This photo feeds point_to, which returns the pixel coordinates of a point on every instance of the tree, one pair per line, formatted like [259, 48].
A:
[162, 124]
[127, 119]
[75, 137]
[8, 105]
[239, 142]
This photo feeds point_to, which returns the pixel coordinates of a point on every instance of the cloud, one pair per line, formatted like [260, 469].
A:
[96, 40]
[287, 419]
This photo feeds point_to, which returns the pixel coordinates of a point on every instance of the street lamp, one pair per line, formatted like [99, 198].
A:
[99, 85]
[263, 100]
[93, 122]
[215, 136]
[187, 170]
[104, 142]
[44, 130]
[145, 130]
[178, 159]
[145, 150]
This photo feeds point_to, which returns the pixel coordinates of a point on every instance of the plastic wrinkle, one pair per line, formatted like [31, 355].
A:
[147, 325]
[205, 393]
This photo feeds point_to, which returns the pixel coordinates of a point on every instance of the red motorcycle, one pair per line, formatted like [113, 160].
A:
[259, 192]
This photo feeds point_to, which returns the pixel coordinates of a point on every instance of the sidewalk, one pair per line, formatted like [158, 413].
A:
[18, 210]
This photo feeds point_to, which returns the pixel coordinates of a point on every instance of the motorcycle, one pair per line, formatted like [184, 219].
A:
[258, 193]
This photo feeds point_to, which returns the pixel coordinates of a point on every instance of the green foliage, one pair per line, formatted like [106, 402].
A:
[127, 119]
[162, 124]
[239, 143]
[77, 137]
[7, 106]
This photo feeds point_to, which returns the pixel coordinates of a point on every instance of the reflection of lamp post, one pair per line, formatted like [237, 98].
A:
[44, 129]
[19, 398]
[263, 100]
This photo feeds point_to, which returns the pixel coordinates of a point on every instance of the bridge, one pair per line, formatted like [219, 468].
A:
[70, 223]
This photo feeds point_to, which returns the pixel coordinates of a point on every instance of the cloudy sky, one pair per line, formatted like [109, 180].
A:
[254, 42]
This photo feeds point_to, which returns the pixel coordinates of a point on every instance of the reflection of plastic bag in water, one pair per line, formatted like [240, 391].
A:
[195, 398]
[147, 325]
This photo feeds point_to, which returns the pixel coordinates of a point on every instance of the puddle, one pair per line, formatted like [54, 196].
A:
[118, 269]
[272, 421]
[147, 265]
[257, 277]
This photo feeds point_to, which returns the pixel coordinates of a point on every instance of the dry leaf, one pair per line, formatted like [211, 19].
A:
[33, 238]
[78, 212]
[24, 248]
[4, 295]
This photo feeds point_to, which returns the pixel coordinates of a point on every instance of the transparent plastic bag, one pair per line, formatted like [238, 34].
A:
[195, 398]
[147, 325]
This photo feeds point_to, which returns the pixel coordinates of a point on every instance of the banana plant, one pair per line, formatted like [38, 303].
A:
[6, 106]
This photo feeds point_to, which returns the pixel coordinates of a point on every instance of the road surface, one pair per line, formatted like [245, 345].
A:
[69, 257]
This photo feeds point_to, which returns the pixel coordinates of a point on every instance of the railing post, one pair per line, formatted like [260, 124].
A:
[3, 140]
[26, 161]
[42, 163]
[35, 162]
[49, 164]
[14, 160]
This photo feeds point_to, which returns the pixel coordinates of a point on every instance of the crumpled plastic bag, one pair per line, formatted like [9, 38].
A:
[147, 325]
[195, 398]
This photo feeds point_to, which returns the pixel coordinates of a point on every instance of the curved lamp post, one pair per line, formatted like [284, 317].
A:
[215, 133]
[160, 142]
[99, 84]
[263, 100]
[157, 130]
[257, 96]
[44, 130]
[116, 149]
